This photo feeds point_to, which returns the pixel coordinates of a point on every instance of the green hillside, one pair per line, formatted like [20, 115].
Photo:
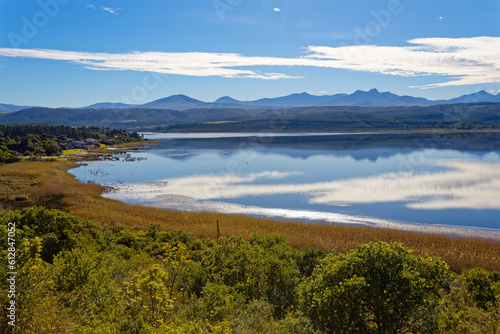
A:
[351, 118]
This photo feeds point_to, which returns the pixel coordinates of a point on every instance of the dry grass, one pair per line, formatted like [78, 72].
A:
[49, 184]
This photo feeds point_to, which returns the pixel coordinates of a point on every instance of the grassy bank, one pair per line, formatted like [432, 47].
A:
[97, 153]
[29, 183]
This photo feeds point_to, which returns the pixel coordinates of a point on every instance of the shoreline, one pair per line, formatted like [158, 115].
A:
[181, 203]
[158, 198]
[50, 184]
[430, 131]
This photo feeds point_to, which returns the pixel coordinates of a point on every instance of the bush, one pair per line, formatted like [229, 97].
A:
[265, 268]
[480, 287]
[377, 288]
[217, 303]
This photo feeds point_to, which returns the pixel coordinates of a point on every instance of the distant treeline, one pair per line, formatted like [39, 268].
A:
[317, 119]
[76, 133]
[305, 125]
[48, 140]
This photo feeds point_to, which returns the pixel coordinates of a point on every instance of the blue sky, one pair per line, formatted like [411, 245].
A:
[73, 53]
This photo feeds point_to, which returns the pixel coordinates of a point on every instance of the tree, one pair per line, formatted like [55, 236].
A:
[176, 259]
[74, 268]
[480, 287]
[377, 288]
[7, 156]
[148, 296]
[264, 268]
[52, 148]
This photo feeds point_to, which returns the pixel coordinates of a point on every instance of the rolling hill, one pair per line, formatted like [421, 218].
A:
[316, 118]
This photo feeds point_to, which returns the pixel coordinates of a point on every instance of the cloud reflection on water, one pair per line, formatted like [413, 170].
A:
[465, 185]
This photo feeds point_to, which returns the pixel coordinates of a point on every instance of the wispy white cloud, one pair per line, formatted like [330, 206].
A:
[113, 11]
[462, 61]
[110, 10]
[467, 61]
[188, 63]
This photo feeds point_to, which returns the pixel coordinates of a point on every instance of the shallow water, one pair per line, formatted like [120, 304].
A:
[443, 183]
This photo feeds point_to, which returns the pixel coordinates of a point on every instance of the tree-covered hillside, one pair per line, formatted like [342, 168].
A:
[327, 118]
[48, 140]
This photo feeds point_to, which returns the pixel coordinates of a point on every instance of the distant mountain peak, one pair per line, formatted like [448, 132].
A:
[226, 99]
[481, 92]
[12, 107]
[372, 91]
[481, 96]
[109, 105]
[175, 102]
[180, 97]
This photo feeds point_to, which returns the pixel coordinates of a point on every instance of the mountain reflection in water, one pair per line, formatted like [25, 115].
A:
[399, 180]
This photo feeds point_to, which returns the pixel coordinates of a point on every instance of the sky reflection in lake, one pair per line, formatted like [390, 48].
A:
[384, 179]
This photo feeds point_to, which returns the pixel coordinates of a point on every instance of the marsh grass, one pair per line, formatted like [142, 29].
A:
[49, 184]
[75, 151]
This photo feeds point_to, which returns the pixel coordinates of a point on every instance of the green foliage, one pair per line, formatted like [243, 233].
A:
[47, 140]
[378, 288]
[310, 258]
[80, 282]
[265, 268]
[460, 311]
[57, 230]
[296, 323]
[480, 287]
[76, 276]
[7, 156]
[73, 268]
[52, 148]
[216, 303]
[176, 260]
[148, 296]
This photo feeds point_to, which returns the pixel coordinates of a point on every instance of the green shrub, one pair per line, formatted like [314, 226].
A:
[377, 288]
[480, 287]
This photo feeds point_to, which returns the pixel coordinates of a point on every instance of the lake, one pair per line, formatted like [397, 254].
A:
[428, 182]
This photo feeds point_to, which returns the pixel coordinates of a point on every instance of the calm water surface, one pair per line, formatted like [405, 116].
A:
[446, 183]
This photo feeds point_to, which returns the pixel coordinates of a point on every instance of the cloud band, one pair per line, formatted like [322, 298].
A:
[463, 61]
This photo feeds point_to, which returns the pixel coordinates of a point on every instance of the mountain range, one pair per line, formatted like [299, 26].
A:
[371, 98]
[11, 108]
